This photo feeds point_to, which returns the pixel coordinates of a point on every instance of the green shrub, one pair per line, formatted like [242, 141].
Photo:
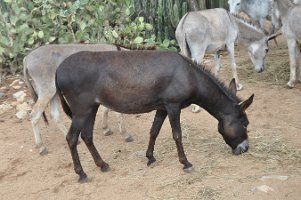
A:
[28, 24]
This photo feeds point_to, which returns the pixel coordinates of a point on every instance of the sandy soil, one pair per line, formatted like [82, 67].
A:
[275, 140]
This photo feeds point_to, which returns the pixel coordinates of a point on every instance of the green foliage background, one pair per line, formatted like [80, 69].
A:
[136, 24]
[27, 24]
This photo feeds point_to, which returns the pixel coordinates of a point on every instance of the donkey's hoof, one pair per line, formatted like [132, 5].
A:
[290, 85]
[239, 87]
[83, 178]
[43, 151]
[151, 163]
[107, 132]
[128, 138]
[195, 109]
[105, 167]
[188, 169]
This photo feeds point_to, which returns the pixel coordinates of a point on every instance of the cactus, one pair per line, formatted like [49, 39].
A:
[184, 8]
[166, 14]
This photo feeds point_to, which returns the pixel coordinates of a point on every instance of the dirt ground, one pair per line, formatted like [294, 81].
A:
[275, 151]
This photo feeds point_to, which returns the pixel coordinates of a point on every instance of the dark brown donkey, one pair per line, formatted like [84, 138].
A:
[139, 82]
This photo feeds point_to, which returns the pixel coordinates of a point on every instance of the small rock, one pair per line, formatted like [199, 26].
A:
[262, 188]
[21, 114]
[3, 88]
[19, 96]
[275, 177]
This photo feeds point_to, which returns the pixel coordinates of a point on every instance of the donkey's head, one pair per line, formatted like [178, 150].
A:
[258, 51]
[234, 6]
[233, 127]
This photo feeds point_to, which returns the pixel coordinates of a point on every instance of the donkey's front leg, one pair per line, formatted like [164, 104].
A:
[157, 124]
[292, 48]
[298, 61]
[174, 112]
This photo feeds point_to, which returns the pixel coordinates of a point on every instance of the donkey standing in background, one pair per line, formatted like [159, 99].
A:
[41, 65]
[214, 29]
[290, 16]
[258, 10]
[146, 81]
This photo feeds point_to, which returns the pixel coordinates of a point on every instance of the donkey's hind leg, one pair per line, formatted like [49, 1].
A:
[35, 116]
[197, 54]
[121, 125]
[87, 136]
[157, 124]
[72, 140]
[55, 114]
[106, 130]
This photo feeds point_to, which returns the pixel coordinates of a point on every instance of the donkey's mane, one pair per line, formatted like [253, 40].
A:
[249, 23]
[201, 69]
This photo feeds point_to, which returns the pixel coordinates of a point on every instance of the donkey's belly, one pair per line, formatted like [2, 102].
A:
[214, 47]
[130, 103]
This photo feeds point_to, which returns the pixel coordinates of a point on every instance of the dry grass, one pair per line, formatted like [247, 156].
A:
[268, 145]
[276, 72]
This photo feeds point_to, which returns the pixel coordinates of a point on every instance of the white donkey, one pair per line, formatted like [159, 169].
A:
[258, 10]
[289, 14]
[41, 65]
[214, 29]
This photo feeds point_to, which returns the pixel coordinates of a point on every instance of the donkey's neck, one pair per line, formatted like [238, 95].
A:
[248, 32]
[216, 99]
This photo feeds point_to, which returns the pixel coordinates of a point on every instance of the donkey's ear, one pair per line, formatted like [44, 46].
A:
[245, 104]
[232, 86]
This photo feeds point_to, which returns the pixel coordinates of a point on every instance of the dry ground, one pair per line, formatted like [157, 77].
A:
[275, 139]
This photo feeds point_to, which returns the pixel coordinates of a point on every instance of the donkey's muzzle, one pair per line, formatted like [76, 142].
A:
[241, 148]
[259, 69]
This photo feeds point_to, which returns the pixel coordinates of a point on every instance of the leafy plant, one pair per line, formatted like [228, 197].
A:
[28, 24]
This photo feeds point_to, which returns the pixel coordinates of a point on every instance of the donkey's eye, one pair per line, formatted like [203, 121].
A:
[266, 50]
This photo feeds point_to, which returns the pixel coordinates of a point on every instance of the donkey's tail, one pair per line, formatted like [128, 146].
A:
[181, 37]
[30, 86]
[64, 103]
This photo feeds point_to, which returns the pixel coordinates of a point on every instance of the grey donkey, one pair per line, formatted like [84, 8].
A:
[41, 64]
